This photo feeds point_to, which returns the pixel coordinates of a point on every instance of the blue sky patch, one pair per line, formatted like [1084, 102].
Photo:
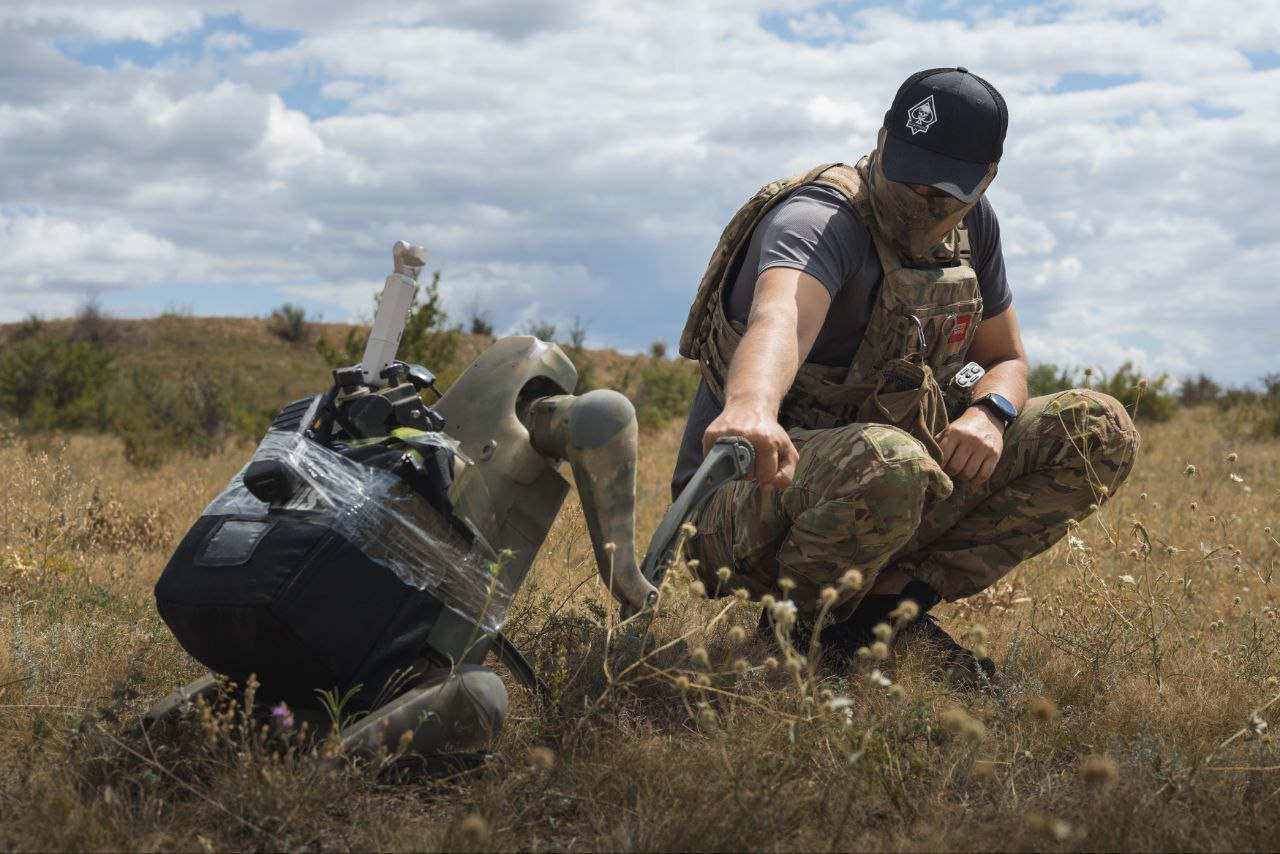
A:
[1263, 60]
[305, 95]
[781, 23]
[1083, 81]
[187, 46]
[1208, 110]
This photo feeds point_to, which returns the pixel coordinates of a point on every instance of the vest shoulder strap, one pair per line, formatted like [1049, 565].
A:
[850, 184]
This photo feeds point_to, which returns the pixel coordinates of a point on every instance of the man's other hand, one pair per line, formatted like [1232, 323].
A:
[971, 445]
[776, 457]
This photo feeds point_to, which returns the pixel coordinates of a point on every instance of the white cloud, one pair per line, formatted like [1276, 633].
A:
[224, 40]
[578, 158]
[152, 23]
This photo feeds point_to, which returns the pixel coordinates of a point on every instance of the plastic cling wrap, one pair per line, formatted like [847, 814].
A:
[382, 516]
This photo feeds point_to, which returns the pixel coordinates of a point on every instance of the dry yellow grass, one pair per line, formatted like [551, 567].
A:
[1133, 658]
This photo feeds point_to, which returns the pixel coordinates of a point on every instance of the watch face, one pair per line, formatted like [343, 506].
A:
[1001, 403]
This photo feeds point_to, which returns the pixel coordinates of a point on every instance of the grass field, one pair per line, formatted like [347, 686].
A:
[1138, 660]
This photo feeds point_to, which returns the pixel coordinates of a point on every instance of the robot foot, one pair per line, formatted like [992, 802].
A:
[442, 725]
[451, 712]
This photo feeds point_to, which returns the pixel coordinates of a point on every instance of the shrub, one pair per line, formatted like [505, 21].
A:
[47, 383]
[542, 329]
[425, 340]
[665, 389]
[581, 361]
[92, 324]
[1271, 385]
[1048, 378]
[1149, 399]
[479, 323]
[1199, 389]
[289, 322]
[155, 416]
[1146, 399]
[1267, 425]
[30, 326]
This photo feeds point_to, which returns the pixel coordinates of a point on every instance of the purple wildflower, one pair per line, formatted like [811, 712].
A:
[282, 716]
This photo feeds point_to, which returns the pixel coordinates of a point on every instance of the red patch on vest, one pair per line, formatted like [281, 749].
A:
[961, 330]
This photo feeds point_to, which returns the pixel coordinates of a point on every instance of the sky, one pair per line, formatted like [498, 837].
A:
[575, 160]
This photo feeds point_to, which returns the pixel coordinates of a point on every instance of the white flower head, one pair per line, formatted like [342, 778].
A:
[875, 677]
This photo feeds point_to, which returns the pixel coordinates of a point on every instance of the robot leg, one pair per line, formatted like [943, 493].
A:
[596, 433]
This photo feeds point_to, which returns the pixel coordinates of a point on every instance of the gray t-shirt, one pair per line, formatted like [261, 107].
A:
[816, 231]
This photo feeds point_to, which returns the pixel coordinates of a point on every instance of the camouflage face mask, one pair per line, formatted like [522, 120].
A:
[914, 224]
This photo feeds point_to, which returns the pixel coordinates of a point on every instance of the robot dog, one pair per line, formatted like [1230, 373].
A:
[372, 544]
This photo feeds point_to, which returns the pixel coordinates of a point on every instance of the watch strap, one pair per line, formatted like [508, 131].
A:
[989, 403]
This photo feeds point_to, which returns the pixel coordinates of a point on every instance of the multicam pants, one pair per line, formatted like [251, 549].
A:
[867, 496]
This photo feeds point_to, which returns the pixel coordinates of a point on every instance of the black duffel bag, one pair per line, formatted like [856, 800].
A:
[336, 585]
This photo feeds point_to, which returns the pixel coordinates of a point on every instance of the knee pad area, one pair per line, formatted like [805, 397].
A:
[1095, 425]
[870, 462]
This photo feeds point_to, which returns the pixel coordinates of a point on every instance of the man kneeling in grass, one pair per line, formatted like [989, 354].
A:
[857, 327]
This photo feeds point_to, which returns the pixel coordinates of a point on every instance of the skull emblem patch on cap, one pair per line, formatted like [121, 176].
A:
[922, 116]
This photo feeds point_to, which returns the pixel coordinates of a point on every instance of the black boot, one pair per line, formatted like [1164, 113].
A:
[952, 661]
[843, 639]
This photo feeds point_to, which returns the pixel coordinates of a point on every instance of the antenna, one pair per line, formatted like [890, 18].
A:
[393, 311]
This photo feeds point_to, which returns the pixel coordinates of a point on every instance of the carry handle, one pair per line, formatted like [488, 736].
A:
[730, 458]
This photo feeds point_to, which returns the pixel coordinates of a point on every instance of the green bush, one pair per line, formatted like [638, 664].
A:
[542, 329]
[289, 322]
[48, 383]
[1199, 389]
[92, 324]
[582, 362]
[1145, 398]
[665, 388]
[425, 341]
[1267, 423]
[156, 417]
[1048, 378]
[1148, 399]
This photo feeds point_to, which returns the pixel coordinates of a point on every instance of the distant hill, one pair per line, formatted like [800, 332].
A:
[220, 376]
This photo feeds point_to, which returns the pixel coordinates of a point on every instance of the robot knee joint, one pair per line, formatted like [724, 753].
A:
[598, 416]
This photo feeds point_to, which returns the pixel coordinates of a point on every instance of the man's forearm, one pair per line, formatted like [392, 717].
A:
[1007, 378]
[763, 366]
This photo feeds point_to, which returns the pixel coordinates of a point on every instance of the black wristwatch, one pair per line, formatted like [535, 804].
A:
[999, 406]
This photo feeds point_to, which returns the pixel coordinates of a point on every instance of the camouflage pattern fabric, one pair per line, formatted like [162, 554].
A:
[868, 496]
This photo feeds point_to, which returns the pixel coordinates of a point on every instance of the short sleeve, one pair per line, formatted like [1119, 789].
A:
[988, 259]
[816, 232]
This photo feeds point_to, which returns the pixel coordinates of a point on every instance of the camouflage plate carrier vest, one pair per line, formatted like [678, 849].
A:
[920, 329]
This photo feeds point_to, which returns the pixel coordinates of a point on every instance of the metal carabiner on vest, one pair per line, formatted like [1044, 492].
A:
[919, 354]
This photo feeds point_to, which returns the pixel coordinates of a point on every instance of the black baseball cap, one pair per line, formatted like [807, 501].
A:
[945, 129]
